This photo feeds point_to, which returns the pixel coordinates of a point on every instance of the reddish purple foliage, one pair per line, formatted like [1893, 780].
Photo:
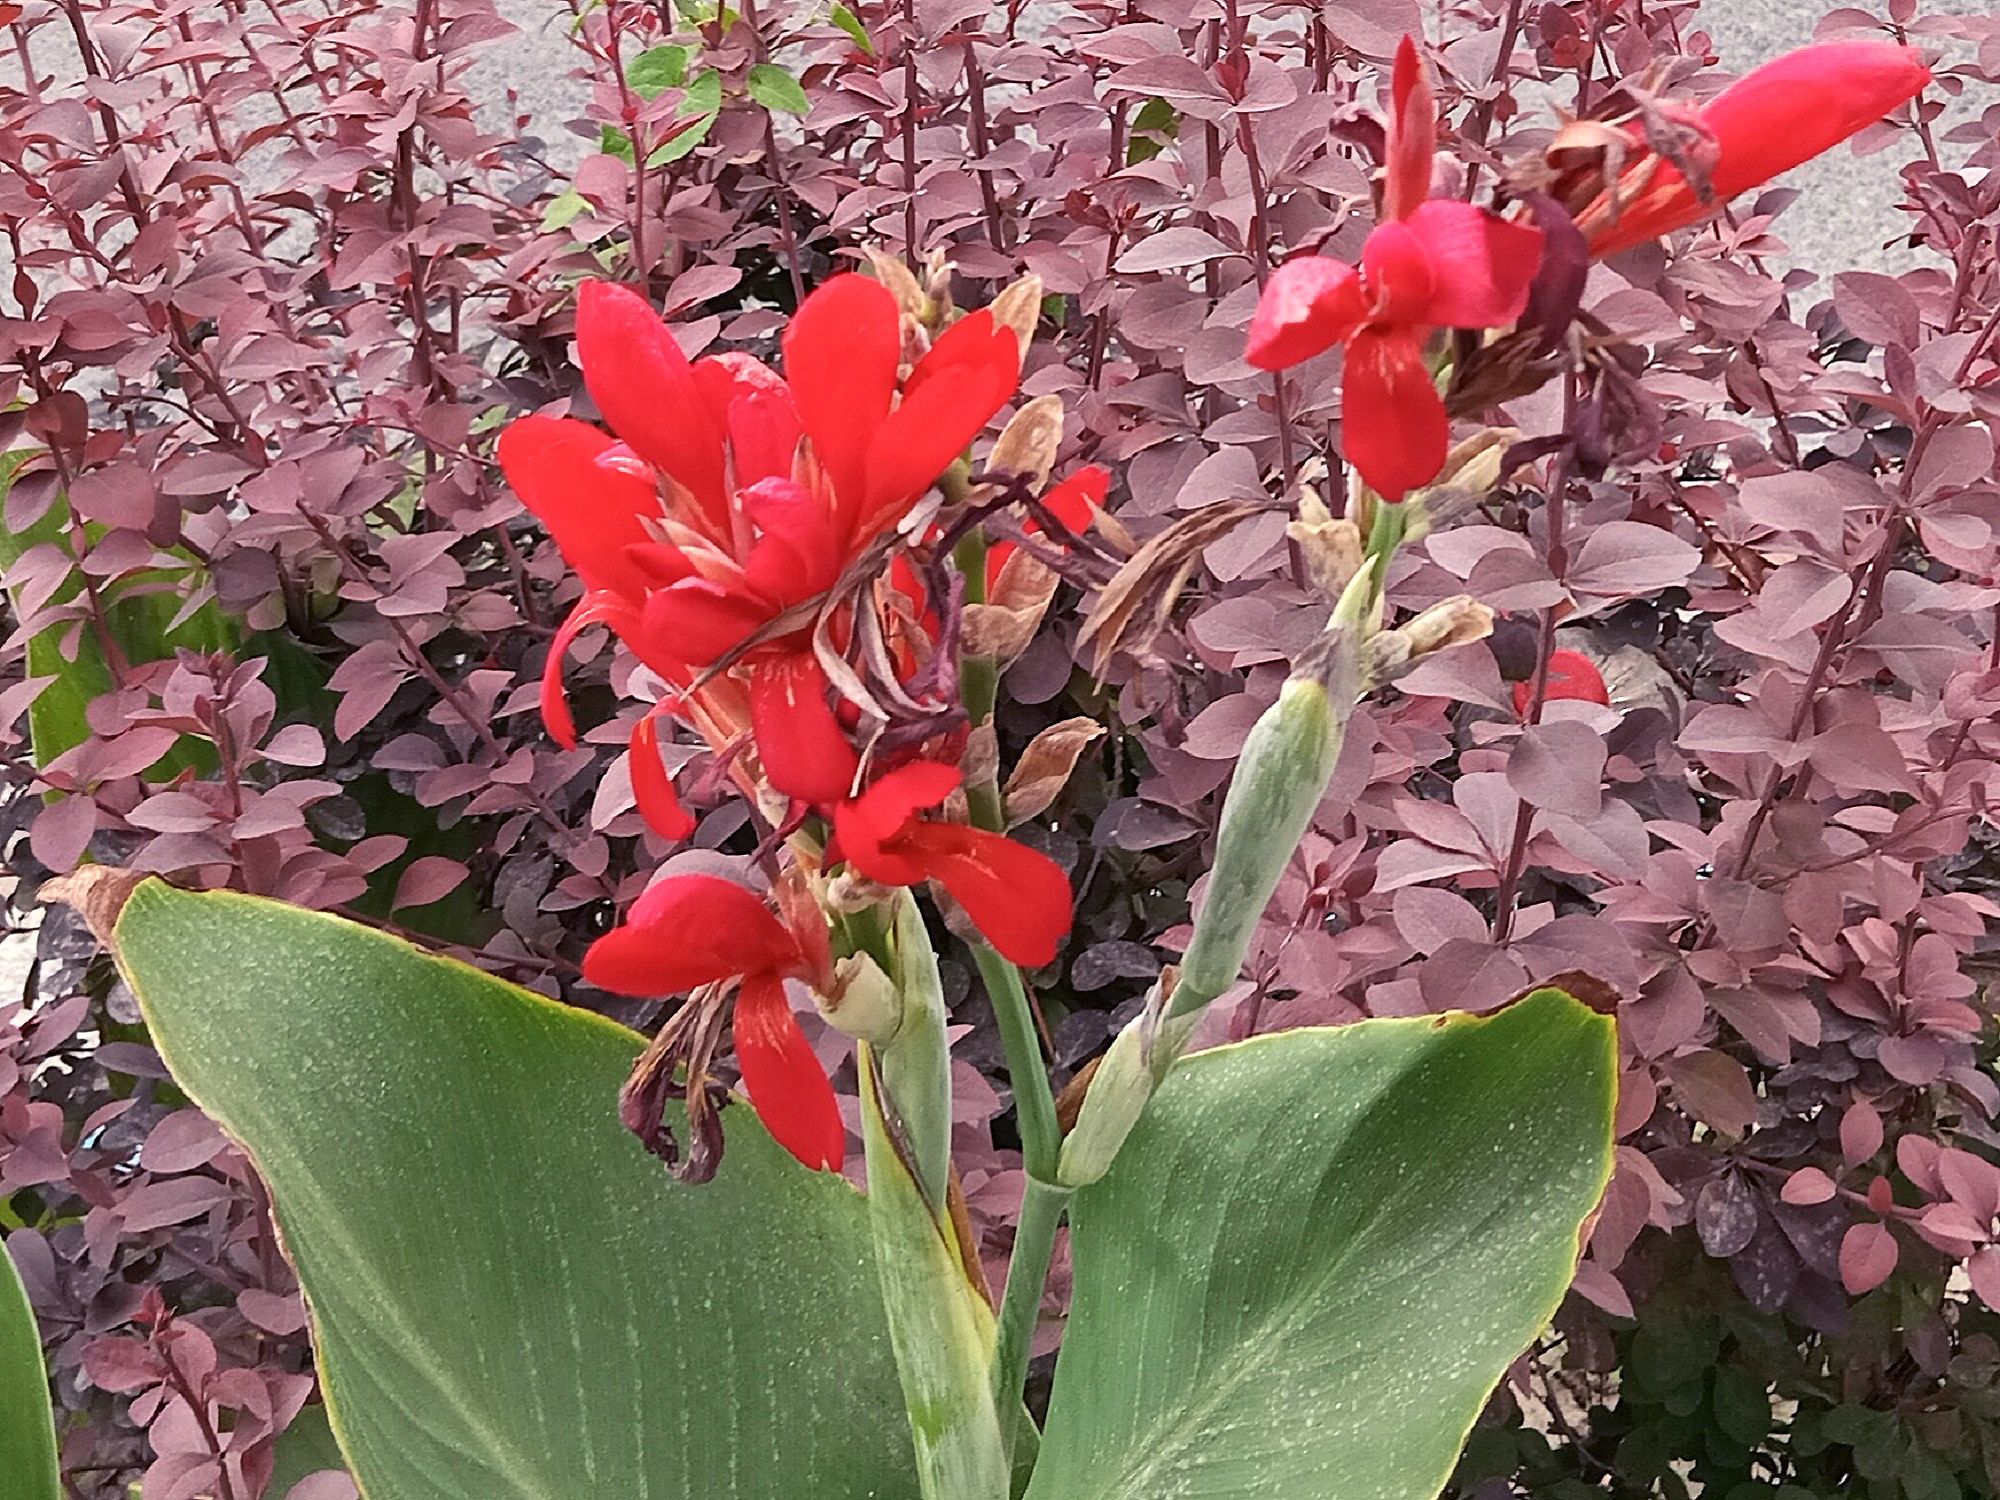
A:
[280, 279]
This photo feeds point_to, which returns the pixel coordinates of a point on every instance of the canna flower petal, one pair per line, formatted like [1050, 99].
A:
[801, 551]
[1396, 269]
[1806, 102]
[788, 1087]
[1073, 502]
[751, 405]
[842, 349]
[866, 826]
[1311, 303]
[687, 931]
[804, 751]
[1411, 150]
[1392, 424]
[1572, 675]
[1769, 121]
[568, 475]
[1079, 497]
[968, 375]
[695, 621]
[591, 609]
[642, 382]
[1017, 897]
[1482, 264]
[652, 787]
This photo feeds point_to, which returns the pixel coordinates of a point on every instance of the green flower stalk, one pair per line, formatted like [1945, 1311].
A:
[1287, 762]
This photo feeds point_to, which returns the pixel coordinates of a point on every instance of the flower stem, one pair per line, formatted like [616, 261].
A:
[1034, 1100]
[1385, 535]
[1027, 1273]
[1043, 1202]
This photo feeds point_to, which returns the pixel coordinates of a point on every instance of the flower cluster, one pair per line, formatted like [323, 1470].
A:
[1440, 263]
[736, 530]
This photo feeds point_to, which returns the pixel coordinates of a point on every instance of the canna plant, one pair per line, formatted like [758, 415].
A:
[1301, 1263]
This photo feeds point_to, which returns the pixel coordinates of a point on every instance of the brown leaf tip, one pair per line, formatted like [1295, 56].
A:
[1587, 989]
[97, 893]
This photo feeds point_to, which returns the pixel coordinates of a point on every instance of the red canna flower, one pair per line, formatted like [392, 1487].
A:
[687, 931]
[1017, 896]
[1431, 263]
[1571, 675]
[1767, 122]
[737, 499]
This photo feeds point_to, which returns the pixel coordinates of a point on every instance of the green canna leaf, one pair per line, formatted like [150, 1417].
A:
[27, 1433]
[1319, 1251]
[511, 1300]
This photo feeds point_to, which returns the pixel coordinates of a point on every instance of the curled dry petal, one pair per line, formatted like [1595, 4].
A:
[1134, 603]
[1045, 767]
[1027, 445]
[893, 274]
[675, 1065]
[1018, 308]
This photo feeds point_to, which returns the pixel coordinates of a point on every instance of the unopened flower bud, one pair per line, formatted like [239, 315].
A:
[1123, 1083]
[1119, 1091]
[1287, 760]
[1026, 447]
[864, 1002]
[1019, 307]
[896, 276]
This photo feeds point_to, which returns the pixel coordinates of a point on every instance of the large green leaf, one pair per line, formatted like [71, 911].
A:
[1318, 1252]
[511, 1300]
[27, 1435]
